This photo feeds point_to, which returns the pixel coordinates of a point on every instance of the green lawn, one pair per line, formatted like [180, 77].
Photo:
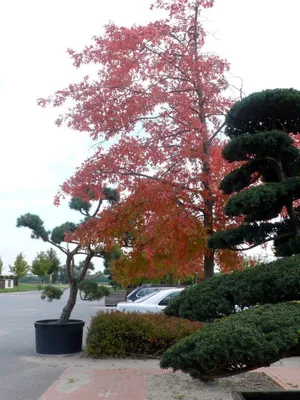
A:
[23, 287]
[26, 287]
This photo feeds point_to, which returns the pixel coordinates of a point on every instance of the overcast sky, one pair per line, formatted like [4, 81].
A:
[258, 37]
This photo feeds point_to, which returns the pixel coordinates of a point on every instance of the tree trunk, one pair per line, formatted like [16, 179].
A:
[209, 263]
[68, 308]
[209, 258]
[87, 263]
[206, 171]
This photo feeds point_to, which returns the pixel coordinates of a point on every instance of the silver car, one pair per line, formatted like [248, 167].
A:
[152, 303]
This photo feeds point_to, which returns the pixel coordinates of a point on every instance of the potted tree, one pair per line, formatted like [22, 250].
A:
[64, 335]
[283, 395]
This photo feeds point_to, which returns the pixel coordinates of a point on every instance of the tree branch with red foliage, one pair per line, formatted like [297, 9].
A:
[157, 99]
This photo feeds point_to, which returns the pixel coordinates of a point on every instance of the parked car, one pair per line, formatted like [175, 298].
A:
[114, 298]
[152, 303]
[146, 289]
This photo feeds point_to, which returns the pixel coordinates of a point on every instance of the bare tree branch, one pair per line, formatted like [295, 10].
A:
[216, 132]
[286, 235]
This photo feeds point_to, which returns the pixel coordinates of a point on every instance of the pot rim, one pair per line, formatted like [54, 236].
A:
[69, 322]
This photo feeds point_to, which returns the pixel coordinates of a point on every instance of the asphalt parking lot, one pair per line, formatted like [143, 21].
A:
[21, 379]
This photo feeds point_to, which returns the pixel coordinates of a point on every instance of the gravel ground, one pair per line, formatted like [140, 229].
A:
[178, 386]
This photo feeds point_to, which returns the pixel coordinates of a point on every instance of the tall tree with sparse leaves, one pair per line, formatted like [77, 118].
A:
[264, 138]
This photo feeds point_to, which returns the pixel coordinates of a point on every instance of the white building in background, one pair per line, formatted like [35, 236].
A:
[6, 283]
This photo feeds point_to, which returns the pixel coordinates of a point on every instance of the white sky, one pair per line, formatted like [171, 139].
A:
[258, 37]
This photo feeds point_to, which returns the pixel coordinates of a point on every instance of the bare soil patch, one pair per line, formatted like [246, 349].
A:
[179, 386]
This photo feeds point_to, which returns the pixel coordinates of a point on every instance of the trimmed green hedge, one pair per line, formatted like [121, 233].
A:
[273, 282]
[118, 334]
[238, 343]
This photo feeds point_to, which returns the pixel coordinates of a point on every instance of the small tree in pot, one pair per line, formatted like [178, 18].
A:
[62, 237]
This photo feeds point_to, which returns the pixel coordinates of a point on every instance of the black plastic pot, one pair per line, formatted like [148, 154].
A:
[284, 395]
[53, 338]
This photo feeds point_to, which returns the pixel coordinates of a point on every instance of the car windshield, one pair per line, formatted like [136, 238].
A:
[146, 297]
[133, 293]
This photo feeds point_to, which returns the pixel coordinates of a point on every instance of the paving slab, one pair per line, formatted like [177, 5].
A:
[127, 379]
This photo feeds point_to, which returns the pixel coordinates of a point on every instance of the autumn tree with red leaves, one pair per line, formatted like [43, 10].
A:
[157, 105]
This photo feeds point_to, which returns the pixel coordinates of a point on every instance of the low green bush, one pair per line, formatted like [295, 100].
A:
[254, 338]
[90, 290]
[118, 334]
[271, 283]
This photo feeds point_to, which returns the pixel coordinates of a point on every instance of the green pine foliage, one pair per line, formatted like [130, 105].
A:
[60, 238]
[51, 293]
[35, 223]
[221, 295]
[267, 182]
[277, 109]
[78, 205]
[245, 341]
[58, 233]
[109, 257]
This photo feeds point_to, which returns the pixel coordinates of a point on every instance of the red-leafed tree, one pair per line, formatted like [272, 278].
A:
[157, 103]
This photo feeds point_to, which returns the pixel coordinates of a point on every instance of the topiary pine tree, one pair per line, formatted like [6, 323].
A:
[109, 257]
[265, 190]
[266, 186]
[66, 233]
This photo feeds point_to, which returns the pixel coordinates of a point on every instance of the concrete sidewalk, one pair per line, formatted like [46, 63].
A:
[127, 379]
[95, 384]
